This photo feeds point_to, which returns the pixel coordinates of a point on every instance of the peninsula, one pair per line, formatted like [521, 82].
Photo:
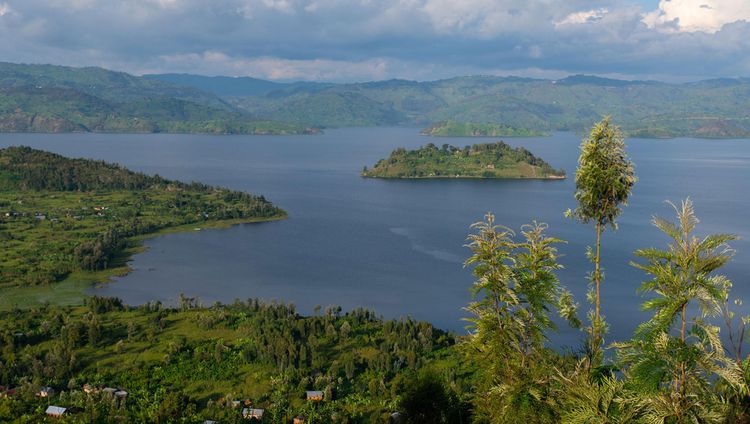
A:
[490, 160]
[64, 218]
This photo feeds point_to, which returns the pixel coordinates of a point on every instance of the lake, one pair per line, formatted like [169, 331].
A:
[397, 246]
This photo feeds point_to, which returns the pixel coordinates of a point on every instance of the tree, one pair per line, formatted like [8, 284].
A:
[604, 180]
[681, 275]
[426, 400]
[516, 287]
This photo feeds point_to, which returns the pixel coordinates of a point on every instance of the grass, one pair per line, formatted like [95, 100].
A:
[72, 289]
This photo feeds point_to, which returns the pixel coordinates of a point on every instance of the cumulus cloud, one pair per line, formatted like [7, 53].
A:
[349, 40]
[697, 15]
[583, 17]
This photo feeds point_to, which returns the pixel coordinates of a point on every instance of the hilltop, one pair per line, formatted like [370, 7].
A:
[495, 160]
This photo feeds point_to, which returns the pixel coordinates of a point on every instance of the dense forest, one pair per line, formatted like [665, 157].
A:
[60, 215]
[490, 160]
[45, 98]
[191, 363]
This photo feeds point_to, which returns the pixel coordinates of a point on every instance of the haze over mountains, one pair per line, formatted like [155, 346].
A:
[59, 99]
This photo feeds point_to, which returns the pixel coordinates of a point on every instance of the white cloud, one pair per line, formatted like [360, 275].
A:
[697, 15]
[577, 18]
[5, 9]
[274, 68]
[350, 40]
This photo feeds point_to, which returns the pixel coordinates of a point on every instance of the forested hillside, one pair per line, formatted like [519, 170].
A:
[188, 363]
[61, 99]
[712, 108]
[60, 215]
[46, 98]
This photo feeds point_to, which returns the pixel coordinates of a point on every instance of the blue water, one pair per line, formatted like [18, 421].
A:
[397, 246]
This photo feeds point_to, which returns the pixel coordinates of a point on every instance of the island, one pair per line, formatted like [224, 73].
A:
[476, 129]
[72, 222]
[489, 160]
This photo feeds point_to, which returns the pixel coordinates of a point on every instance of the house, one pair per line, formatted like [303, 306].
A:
[45, 392]
[5, 392]
[249, 413]
[299, 419]
[315, 395]
[236, 403]
[210, 422]
[40, 216]
[89, 389]
[121, 394]
[109, 390]
[55, 411]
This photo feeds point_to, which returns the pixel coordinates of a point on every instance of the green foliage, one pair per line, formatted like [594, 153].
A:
[516, 288]
[675, 371]
[427, 400]
[61, 215]
[43, 98]
[711, 109]
[605, 176]
[188, 365]
[495, 160]
[604, 180]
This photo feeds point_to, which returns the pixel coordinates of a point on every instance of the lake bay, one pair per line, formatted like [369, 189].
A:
[396, 246]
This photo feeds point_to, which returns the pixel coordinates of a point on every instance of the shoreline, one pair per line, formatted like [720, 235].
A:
[466, 177]
[72, 290]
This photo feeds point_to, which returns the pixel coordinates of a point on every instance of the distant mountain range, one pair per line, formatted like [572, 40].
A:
[57, 99]
[711, 108]
[47, 98]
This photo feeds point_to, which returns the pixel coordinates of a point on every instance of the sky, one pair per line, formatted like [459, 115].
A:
[365, 40]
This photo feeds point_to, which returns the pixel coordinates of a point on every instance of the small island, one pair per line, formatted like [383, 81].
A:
[490, 160]
[476, 129]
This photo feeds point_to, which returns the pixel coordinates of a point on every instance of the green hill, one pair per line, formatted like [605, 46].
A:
[60, 216]
[51, 98]
[46, 98]
[712, 109]
[495, 160]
